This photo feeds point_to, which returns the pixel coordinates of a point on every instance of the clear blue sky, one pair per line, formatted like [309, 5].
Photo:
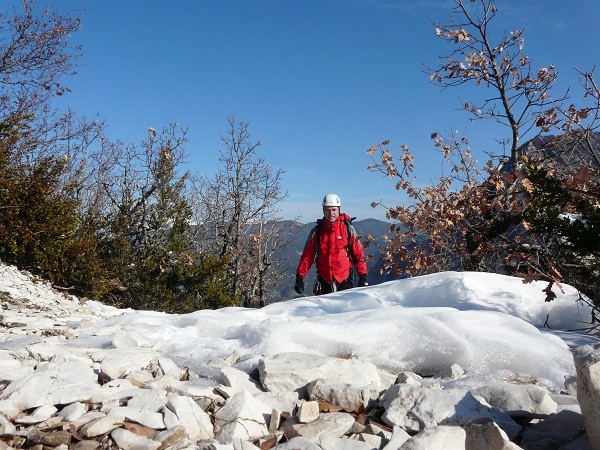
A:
[319, 81]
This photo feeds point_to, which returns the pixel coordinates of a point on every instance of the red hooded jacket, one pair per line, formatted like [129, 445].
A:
[333, 260]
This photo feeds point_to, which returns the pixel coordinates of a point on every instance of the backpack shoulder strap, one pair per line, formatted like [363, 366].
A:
[351, 232]
[317, 232]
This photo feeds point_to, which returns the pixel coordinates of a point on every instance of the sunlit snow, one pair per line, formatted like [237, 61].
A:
[493, 326]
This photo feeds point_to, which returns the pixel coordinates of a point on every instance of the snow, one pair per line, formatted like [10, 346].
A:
[491, 325]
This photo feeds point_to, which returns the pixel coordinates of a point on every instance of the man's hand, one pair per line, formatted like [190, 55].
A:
[362, 281]
[299, 286]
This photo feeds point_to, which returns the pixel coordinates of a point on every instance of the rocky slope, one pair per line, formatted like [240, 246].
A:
[116, 389]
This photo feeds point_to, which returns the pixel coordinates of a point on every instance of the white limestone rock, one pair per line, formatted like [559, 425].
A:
[442, 437]
[387, 380]
[233, 357]
[398, 438]
[196, 422]
[376, 429]
[12, 369]
[281, 401]
[127, 440]
[40, 414]
[203, 391]
[454, 372]
[170, 419]
[120, 362]
[73, 411]
[294, 371]
[107, 330]
[239, 381]
[242, 416]
[140, 378]
[149, 399]
[308, 412]
[52, 383]
[487, 436]
[407, 377]
[17, 343]
[335, 424]
[587, 365]
[45, 351]
[166, 366]
[274, 421]
[524, 400]
[346, 396]
[6, 427]
[174, 435]
[167, 401]
[374, 440]
[170, 383]
[87, 418]
[101, 425]
[115, 391]
[39, 323]
[336, 443]
[150, 419]
[241, 444]
[129, 339]
[298, 443]
[415, 408]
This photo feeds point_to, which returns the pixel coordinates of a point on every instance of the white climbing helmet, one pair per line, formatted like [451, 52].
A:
[331, 200]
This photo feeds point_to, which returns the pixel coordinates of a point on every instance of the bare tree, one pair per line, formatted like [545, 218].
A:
[239, 206]
[103, 217]
[137, 190]
[46, 145]
[35, 54]
[519, 90]
[536, 214]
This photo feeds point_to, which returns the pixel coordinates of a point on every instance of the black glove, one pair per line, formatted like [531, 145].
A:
[362, 281]
[299, 286]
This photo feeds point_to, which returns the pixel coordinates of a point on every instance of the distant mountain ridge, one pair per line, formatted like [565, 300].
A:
[565, 150]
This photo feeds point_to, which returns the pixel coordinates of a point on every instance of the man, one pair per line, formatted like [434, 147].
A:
[333, 246]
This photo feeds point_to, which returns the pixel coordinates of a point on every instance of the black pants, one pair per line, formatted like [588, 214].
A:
[323, 287]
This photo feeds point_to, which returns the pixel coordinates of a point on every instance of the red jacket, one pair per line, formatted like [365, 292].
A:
[333, 261]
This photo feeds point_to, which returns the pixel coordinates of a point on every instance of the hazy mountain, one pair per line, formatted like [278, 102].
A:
[566, 151]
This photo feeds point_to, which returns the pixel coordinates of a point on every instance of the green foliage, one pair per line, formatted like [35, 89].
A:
[40, 226]
[182, 287]
[142, 255]
[35, 219]
[82, 270]
[547, 199]
[564, 214]
[148, 242]
[95, 217]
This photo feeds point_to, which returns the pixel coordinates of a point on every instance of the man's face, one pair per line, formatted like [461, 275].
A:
[331, 213]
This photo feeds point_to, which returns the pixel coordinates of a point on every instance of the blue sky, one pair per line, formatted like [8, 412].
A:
[319, 81]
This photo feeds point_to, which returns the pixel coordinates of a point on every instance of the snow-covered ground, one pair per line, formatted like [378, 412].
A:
[489, 324]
